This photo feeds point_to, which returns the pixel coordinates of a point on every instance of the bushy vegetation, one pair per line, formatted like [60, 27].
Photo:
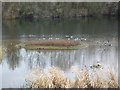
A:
[58, 9]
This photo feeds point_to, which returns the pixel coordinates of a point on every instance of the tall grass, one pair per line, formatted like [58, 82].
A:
[1, 55]
[53, 77]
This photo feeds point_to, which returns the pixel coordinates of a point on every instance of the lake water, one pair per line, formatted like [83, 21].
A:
[99, 33]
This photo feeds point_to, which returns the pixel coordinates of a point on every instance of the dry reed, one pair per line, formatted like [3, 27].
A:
[1, 55]
[53, 77]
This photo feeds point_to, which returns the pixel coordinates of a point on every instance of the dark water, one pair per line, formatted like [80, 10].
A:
[58, 27]
[99, 34]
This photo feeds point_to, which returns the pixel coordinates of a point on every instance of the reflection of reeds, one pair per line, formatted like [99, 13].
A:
[53, 77]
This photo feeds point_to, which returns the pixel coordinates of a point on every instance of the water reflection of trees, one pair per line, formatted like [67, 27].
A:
[62, 59]
[17, 28]
[42, 59]
[66, 59]
[12, 59]
[11, 54]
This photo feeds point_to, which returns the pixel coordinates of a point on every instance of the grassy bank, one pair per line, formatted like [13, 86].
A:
[52, 45]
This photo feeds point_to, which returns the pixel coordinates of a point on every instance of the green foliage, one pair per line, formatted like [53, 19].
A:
[58, 9]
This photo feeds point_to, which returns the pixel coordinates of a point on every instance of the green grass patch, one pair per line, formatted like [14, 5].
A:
[54, 47]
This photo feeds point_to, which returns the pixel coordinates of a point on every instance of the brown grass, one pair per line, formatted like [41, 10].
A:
[54, 43]
[1, 55]
[53, 77]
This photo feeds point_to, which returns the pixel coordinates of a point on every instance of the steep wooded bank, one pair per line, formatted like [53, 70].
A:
[59, 9]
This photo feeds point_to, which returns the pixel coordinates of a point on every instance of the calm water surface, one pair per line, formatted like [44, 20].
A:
[99, 34]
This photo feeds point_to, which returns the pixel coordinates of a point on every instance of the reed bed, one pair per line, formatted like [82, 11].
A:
[53, 77]
[1, 55]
